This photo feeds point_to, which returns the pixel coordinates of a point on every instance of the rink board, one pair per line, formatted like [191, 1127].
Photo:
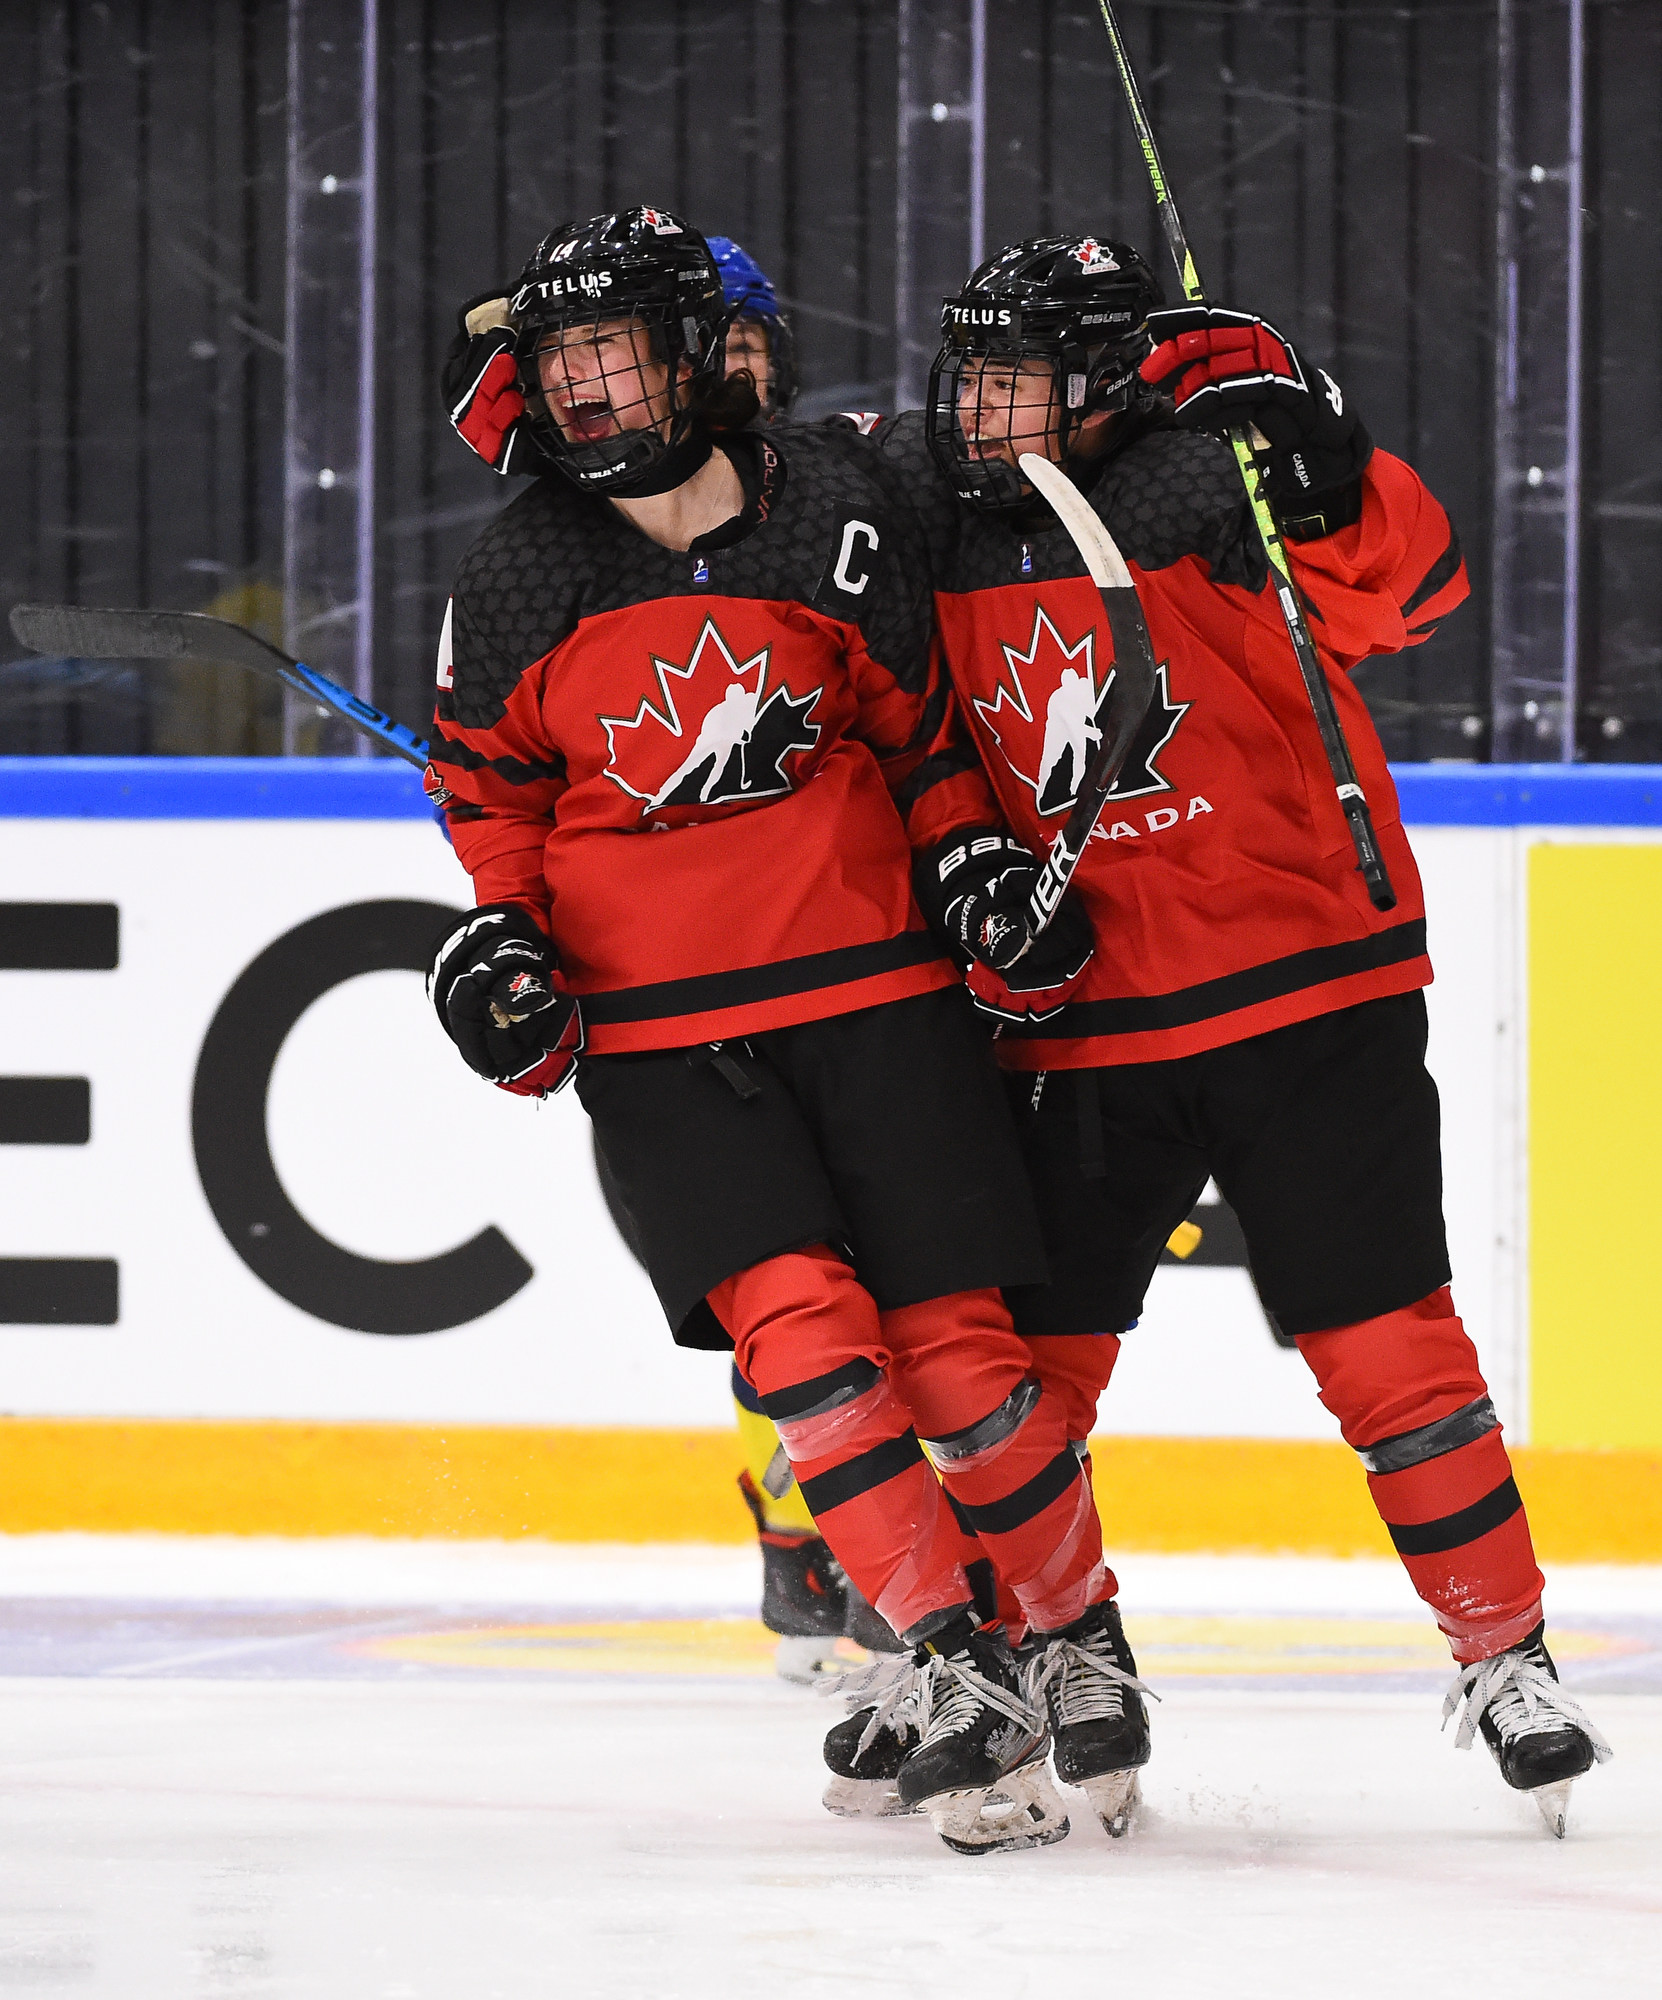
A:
[181, 1368]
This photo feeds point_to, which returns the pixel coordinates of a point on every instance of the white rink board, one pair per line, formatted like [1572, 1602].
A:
[391, 1149]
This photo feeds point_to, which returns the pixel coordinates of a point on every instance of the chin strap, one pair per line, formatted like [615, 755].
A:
[674, 467]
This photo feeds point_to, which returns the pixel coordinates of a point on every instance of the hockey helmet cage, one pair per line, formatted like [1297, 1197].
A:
[1076, 304]
[749, 293]
[641, 264]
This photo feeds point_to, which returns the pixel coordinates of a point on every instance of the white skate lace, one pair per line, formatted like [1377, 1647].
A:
[891, 1682]
[1089, 1687]
[951, 1709]
[1522, 1699]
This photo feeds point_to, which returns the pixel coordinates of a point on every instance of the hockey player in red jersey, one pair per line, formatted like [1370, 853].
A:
[685, 725]
[806, 1598]
[1248, 1013]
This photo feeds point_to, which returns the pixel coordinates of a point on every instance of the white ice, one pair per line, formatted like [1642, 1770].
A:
[163, 1838]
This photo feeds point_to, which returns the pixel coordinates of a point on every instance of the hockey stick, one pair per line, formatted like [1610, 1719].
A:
[87, 633]
[1352, 800]
[1129, 695]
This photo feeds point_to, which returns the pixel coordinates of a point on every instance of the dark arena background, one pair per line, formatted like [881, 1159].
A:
[1457, 206]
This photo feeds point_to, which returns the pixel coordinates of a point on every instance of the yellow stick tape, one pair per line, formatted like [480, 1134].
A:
[1244, 1495]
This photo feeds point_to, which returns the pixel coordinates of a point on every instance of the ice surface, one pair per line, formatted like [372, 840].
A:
[395, 1771]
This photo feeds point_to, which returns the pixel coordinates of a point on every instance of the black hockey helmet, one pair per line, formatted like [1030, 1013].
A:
[1076, 304]
[637, 264]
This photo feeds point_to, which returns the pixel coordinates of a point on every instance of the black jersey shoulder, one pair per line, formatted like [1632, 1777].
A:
[829, 536]
[1171, 494]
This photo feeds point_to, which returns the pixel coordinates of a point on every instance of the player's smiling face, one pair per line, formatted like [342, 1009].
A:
[603, 379]
[1007, 406]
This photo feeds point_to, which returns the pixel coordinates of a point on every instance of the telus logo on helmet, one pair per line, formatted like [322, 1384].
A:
[961, 319]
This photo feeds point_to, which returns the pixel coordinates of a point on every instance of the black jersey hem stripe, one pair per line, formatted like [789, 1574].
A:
[1454, 1531]
[447, 750]
[999, 1517]
[1443, 571]
[860, 1474]
[713, 992]
[1081, 1019]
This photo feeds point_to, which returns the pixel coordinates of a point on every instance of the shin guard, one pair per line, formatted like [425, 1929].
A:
[807, 1337]
[1000, 1443]
[1412, 1403]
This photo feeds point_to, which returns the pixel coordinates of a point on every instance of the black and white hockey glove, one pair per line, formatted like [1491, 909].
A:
[1222, 367]
[492, 985]
[481, 388]
[974, 888]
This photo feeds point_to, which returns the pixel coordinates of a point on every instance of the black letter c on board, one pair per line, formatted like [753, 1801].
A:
[233, 1150]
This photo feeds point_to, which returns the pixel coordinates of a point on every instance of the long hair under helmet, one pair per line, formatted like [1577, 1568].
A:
[1075, 303]
[635, 264]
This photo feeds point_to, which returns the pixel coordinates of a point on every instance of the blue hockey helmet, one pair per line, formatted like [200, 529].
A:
[749, 293]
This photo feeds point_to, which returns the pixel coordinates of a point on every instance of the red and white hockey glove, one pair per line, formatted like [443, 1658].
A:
[973, 888]
[1222, 367]
[493, 988]
[481, 388]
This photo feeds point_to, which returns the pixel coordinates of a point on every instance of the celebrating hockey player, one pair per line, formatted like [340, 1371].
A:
[1248, 1013]
[781, 1065]
[806, 1598]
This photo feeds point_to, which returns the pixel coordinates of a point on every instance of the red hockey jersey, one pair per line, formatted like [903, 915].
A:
[696, 769]
[1221, 880]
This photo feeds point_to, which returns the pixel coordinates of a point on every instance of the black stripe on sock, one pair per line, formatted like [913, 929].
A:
[1464, 1426]
[998, 1517]
[861, 1473]
[821, 1392]
[1453, 1531]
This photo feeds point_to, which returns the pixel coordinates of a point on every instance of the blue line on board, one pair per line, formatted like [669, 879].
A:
[1618, 795]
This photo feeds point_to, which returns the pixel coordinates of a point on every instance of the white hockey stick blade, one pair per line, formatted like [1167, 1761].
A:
[1076, 514]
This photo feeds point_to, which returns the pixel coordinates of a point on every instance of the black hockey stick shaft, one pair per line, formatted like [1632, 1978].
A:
[90, 632]
[1352, 800]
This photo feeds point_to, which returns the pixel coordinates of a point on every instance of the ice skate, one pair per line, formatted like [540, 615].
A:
[1084, 1679]
[804, 1597]
[1541, 1739]
[864, 1752]
[980, 1769]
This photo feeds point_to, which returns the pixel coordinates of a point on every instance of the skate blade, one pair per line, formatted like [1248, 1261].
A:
[1021, 1810]
[1114, 1797]
[865, 1798]
[807, 1662]
[1553, 1804]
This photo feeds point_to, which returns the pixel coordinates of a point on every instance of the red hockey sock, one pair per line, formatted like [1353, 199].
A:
[999, 1439]
[1411, 1401]
[807, 1338]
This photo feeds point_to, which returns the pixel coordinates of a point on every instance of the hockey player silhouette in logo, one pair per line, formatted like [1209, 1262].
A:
[1070, 728]
[721, 740]
[740, 749]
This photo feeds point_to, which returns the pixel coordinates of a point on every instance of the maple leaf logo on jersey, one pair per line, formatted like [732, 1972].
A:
[719, 734]
[1092, 257]
[1044, 718]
